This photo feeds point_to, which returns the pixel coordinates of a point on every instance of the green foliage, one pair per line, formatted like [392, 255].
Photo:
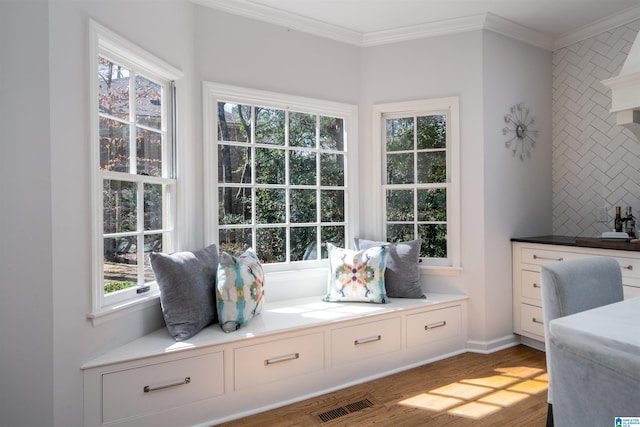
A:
[117, 286]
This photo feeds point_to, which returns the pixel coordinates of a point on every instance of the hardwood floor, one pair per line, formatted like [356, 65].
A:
[506, 388]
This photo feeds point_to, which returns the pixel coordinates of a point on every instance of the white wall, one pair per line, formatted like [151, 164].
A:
[517, 193]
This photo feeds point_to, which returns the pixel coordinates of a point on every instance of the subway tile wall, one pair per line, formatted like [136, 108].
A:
[595, 163]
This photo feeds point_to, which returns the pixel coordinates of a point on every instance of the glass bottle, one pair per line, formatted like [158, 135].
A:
[618, 221]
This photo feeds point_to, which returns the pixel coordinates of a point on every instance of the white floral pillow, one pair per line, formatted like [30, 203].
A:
[357, 276]
[239, 289]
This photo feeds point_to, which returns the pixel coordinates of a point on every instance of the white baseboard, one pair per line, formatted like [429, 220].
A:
[488, 347]
[530, 342]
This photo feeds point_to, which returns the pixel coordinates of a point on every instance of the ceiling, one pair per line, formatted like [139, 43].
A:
[367, 22]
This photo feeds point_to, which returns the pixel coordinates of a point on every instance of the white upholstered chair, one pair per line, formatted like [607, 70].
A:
[573, 286]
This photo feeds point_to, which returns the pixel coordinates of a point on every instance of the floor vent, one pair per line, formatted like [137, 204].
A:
[345, 410]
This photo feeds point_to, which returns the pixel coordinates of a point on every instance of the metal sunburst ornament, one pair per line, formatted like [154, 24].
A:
[519, 124]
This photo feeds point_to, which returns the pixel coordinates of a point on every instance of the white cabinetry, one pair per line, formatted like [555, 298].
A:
[291, 351]
[527, 260]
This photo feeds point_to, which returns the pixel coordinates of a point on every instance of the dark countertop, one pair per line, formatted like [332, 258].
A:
[585, 242]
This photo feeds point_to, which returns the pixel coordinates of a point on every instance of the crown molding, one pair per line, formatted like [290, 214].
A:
[487, 21]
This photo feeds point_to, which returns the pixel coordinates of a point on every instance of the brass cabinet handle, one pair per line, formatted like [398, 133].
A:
[367, 340]
[148, 388]
[435, 325]
[280, 359]
[628, 267]
[535, 285]
[540, 322]
[547, 258]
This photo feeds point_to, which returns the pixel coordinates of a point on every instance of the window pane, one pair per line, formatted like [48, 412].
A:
[332, 234]
[302, 167]
[153, 194]
[303, 243]
[432, 132]
[400, 134]
[432, 205]
[332, 206]
[148, 103]
[114, 145]
[235, 240]
[270, 166]
[119, 206]
[400, 205]
[234, 164]
[271, 244]
[400, 232]
[148, 152]
[234, 122]
[270, 126]
[332, 169]
[270, 205]
[234, 205]
[400, 168]
[303, 206]
[432, 167]
[120, 264]
[113, 89]
[434, 240]
[302, 130]
[152, 243]
[331, 133]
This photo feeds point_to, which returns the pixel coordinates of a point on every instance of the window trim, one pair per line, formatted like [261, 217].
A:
[452, 107]
[214, 92]
[105, 42]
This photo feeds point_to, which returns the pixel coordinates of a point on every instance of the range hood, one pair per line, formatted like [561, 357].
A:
[625, 91]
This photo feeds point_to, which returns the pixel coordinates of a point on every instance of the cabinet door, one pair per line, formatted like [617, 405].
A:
[530, 285]
[277, 360]
[430, 326]
[531, 321]
[151, 388]
[355, 343]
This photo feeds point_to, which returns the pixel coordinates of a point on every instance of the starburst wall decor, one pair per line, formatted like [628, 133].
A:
[521, 137]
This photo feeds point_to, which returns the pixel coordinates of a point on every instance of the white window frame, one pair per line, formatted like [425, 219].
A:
[215, 92]
[105, 43]
[449, 106]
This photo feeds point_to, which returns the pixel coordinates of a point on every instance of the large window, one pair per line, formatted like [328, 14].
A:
[419, 143]
[279, 173]
[133, 154]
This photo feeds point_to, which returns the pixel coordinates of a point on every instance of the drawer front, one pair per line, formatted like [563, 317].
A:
[631, 291]
[430, 326]
[152, 388]
[531, 319]
[355, 343]
[544, 256]
[531, 285]
[629, 267]
[276, 360]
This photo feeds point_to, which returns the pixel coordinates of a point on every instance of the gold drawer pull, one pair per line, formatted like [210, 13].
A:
[547, 258]
[280, 359]
[628, 267]
[435, 325]
[148, 388]
[540, 322]
[367, 340]
[535, 285]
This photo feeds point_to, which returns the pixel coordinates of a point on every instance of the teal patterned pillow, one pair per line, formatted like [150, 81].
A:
[239, 289]
[357, 276]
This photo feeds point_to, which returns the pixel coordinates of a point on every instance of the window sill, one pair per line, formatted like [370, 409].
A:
[117, 310]
[439, 270]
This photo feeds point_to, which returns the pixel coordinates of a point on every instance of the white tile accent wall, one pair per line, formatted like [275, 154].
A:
[595, 162]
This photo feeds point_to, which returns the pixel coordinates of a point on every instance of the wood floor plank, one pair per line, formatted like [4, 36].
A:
[506, 388]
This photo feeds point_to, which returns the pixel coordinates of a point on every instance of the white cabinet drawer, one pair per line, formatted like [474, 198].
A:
[277, 360]
[629, 267]
[531, 319]
[429, 326]
[530, 285]
[631, 291]
[355, 343]
[142, 390]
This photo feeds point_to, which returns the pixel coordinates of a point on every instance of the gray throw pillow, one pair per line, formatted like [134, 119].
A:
[402, 277]
[187, 289]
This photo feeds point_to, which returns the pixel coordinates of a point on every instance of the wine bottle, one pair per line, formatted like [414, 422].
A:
[618, 221]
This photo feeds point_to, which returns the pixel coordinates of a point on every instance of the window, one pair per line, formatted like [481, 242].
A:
[279, 174]
[420, 182]
[133, 154]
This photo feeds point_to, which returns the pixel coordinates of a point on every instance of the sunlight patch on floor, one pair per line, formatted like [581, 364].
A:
[476, 398]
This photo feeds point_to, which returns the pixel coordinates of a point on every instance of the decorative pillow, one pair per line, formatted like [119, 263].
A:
[186, 281]
[402, 276]
[357, 276]
[240, 289]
